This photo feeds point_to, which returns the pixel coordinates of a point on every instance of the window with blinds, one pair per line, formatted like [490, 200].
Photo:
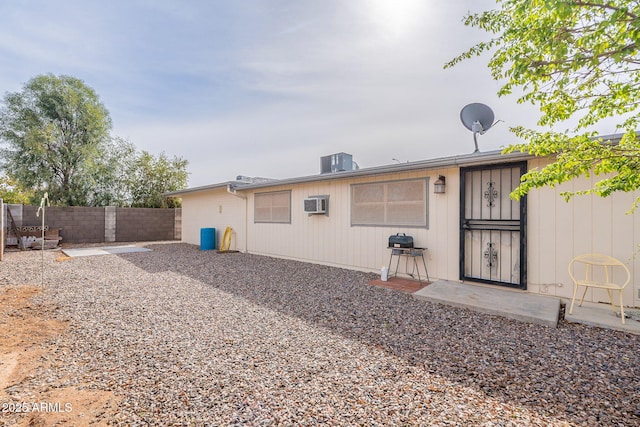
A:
[393, 203]
[272, 207]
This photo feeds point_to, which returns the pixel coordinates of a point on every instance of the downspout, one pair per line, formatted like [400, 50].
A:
[232, 190]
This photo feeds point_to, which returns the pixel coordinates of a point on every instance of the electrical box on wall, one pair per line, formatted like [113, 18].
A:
[316, 205]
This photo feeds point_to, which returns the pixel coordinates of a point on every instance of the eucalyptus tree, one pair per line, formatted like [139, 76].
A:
[579, 62]
[53, 131]
[150, 176]
[110, 186]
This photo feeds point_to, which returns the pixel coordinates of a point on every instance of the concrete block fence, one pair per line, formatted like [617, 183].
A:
[2, 229]
[107, 224]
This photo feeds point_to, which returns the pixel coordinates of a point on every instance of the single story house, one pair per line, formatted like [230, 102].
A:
[473, 231]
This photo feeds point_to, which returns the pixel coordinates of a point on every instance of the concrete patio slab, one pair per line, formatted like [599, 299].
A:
[602, 316]
[104, 250]
[516, 305]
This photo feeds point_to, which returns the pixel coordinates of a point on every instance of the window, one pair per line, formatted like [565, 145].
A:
[272, 207]
[392, 203]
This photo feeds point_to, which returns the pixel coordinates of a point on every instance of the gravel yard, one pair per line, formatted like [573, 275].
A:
[185, 337]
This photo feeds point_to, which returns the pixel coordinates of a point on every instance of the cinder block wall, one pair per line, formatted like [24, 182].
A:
[177, 233]
[2, 228]
[78, 224]
[140, 224]
[96, 225]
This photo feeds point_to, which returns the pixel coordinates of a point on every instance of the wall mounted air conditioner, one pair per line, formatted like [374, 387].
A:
[316, 205]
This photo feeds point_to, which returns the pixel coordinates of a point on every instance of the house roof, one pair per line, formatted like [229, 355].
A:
[465, 160]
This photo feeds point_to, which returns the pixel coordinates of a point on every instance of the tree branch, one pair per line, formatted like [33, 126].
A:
[581, 3]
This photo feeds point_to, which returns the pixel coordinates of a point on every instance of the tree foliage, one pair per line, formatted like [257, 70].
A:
[151, 176]
[54, 129]
[10, 192]
[578, 61]
[111, 184]
[57, 135]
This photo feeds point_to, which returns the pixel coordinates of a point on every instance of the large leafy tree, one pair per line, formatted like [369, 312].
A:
[56, 137]
[10, 192]
[579, 62]
[111, 182]
[54, 129]
[151, 176]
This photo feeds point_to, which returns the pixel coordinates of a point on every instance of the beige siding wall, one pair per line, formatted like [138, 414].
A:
[556, 230]
[217, 209]
[332, 240]
[559, 230]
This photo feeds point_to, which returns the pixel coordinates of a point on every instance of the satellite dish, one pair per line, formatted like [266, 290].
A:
[478, 118]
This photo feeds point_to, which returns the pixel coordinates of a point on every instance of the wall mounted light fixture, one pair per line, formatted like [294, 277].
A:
[439, 185]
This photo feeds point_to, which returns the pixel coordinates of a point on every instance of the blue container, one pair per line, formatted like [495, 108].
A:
[207, 239]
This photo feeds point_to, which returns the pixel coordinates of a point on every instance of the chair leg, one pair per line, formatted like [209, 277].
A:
[573, 298]
[583, 294]
[613, 306]
[621, 306]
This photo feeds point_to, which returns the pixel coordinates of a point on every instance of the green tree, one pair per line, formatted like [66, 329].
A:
[111, 183]
[10, 192]
[54, 129]
[578, 61]
[150, 177]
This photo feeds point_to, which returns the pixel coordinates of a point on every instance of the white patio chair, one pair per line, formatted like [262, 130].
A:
[589, 265]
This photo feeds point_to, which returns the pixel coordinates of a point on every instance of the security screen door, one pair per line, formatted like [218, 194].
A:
[492, 226]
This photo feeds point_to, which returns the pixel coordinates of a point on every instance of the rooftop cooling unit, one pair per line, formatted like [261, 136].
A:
[316, 205]
[338, 162]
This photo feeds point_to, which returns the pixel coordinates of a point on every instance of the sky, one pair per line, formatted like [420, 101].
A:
[266, 87]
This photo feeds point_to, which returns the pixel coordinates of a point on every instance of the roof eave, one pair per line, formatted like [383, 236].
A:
[197, 189]
[444, 162]
[489, 157]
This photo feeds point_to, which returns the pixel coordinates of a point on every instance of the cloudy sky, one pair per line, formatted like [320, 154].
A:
[267, 87]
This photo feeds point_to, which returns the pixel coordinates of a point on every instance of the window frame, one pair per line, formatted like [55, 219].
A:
[271, 193]
[386, 203]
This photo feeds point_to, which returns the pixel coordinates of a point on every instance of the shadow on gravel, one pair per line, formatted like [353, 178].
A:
[574, 373]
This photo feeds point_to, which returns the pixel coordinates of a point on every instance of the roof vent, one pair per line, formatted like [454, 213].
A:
[338, 162]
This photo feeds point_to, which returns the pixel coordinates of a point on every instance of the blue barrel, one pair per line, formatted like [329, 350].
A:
[207, 239]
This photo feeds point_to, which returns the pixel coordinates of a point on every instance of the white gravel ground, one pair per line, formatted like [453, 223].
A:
[187, 337]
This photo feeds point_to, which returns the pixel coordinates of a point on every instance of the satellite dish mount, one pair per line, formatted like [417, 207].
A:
[478, 118]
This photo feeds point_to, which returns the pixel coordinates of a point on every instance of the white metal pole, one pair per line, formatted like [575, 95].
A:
[45, 199]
